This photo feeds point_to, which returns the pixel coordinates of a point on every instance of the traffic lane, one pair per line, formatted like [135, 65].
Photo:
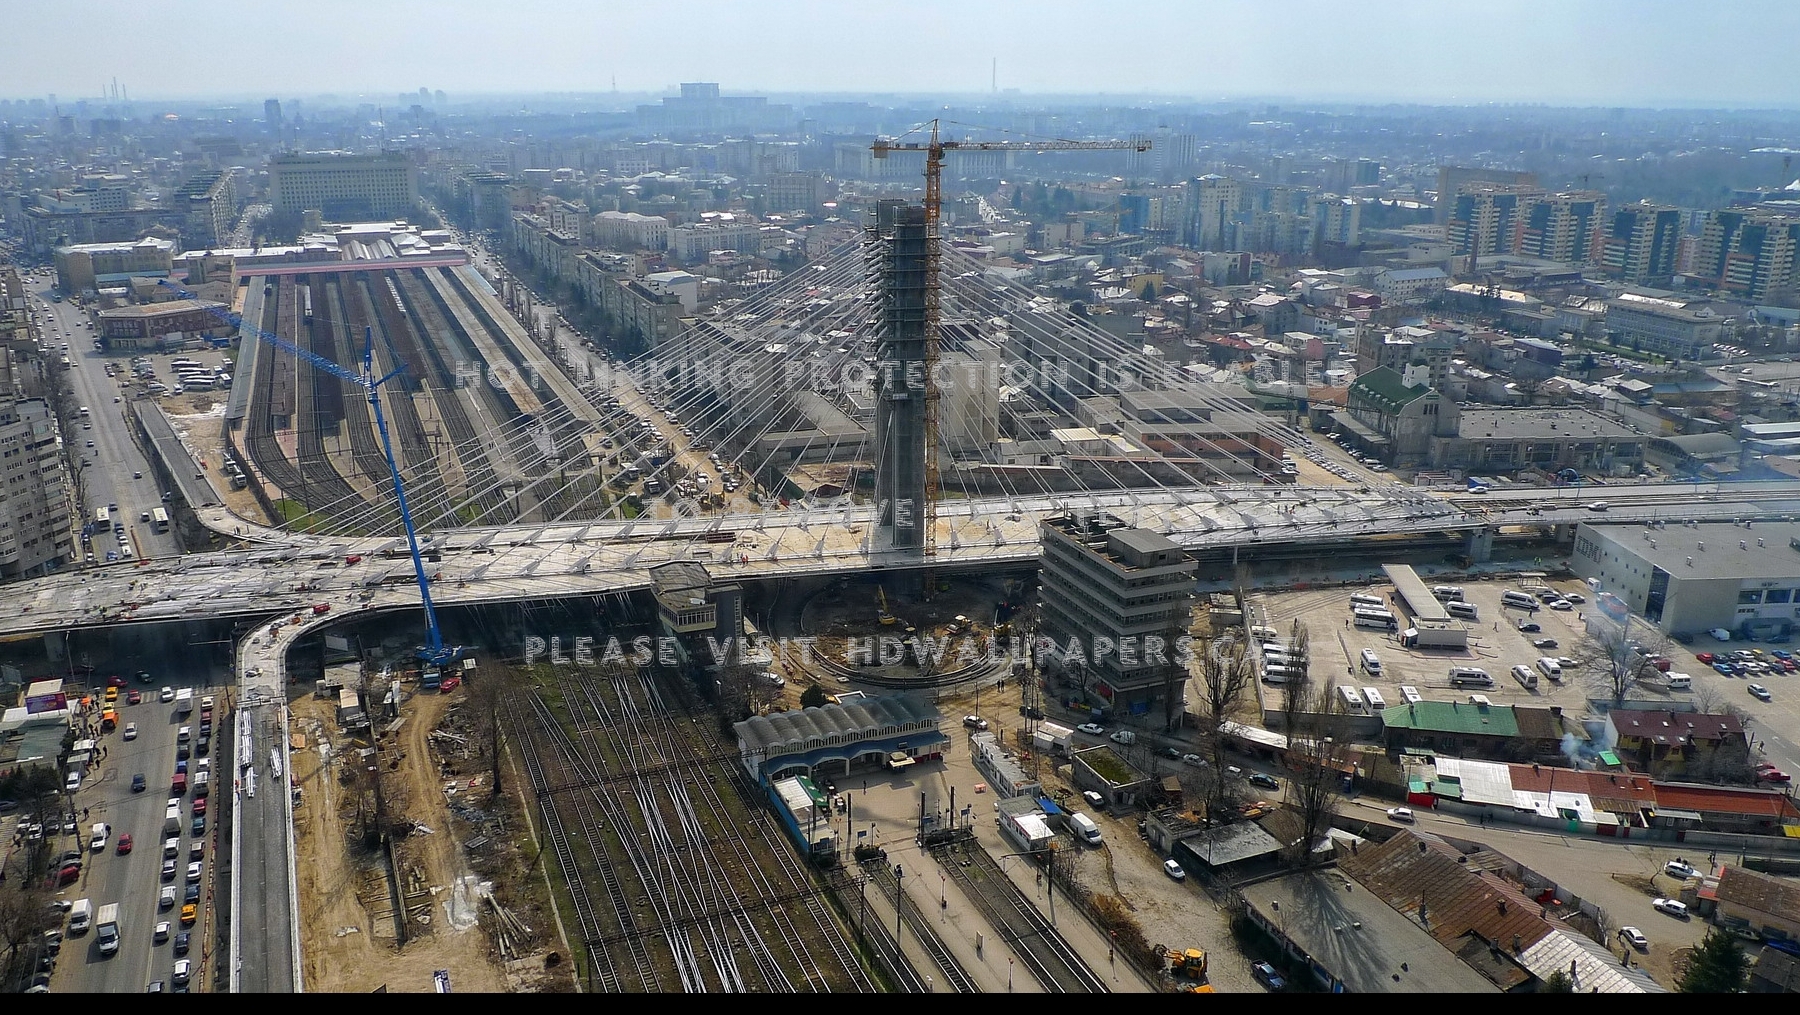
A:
[261, 871]
[132, 880]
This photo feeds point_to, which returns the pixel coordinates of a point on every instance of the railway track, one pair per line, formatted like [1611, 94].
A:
[1049, 958]
[955, 976]
[645, 821]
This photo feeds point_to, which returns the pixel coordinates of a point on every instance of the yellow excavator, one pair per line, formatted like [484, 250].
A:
[882, 612]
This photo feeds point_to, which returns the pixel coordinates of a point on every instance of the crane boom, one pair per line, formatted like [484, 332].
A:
[934, 150]
[434, 651]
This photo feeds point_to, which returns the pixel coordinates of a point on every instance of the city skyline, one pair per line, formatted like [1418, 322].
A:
[1605, 52]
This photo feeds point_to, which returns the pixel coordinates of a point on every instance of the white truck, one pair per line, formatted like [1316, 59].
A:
[81, 916]
[184, 701]
[106, 930]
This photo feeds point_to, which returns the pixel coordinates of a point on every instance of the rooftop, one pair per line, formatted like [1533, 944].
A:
[1513, 424]
[1710, 549]
[1453, 717]
[1675, 727]
[1387, 386]
[1762, 892]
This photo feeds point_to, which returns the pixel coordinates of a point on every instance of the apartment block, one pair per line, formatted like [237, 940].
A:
[85, 267]
[1121, 597]
[627, 230]
[1489, 218]
[693, 241]
[36, 535]
[1564, 227]
[1452, 179]
[1749, 253]
[207, 204]
[1212, 202]
[343, 186]
[1640, 243]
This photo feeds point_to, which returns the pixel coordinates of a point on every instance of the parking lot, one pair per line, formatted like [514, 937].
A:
[1496, 644]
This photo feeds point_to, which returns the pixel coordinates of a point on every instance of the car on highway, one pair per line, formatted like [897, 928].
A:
[1267, 976]
[1598, 505]
[131, 731]
[1672, 907]
[1092, 729]
[166, 694]
[124, 843]
[190, 913]
[165, 899]
[181, 943]
[1635, 938]
[134, 698]
[116, 681]
[1679, 868]
[1402, 814]
[1759, 692]
[1766, 772]
[193, 872]
[162, 931]
[168, 870]
[192, 894]
[1173, 869]
[183, 967]
[1265, 781]
[137, 783]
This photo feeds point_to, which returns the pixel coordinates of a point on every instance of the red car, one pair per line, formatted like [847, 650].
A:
[115, 681]
[1705, 657]
[1769, 773]
[134, 698]
[199, 806]
[124, 843]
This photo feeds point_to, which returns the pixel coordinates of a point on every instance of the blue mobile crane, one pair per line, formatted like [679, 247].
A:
[434, 652]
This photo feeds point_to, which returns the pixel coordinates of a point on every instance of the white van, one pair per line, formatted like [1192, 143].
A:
[1447, 593]
[1458, 608]
[1470, 676]
[1264, 633]
[1680, 682]
[1411, 694]
[1353, 702]
[1376, 701]
[1277, 674]
[1365, 599]
[1522, 600]
[1084, 828]
[1550, 668]
[1371, 663]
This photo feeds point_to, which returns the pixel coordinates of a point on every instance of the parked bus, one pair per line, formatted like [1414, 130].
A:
[1373, 622]
[159, 520]
[1353, 701]
[102, 518]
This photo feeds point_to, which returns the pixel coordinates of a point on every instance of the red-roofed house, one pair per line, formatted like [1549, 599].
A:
[1673, 744]
[1761, 811]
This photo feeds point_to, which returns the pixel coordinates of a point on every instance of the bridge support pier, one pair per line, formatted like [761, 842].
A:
[1564, 532]
[1481, 545]
[55, 645]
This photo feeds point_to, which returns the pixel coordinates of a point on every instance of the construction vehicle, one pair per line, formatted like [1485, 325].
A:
[1185, 965]
[434, 651]
[886, 615]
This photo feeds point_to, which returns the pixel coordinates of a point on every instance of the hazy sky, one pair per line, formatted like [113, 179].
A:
[1608, 52]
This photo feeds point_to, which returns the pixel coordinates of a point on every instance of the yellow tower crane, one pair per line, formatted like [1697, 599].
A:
[934, 199]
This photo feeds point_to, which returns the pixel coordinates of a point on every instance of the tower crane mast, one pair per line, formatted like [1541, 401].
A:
[934, 150]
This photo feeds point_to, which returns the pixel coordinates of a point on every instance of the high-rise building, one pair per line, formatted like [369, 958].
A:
[1564, 227]
[1452, 179]
[344, 187]
[207, 204]
[1640, 243]
[272, 113]
[1212, 202]
[1120, 597]
[1335, 221]
[1489, 218]
[36, 534]
[1751, 253]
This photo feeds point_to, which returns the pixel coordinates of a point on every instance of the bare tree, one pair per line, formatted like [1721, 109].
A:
[1226, 673]
[24, 916]
[1316, 758]
[1623, 662]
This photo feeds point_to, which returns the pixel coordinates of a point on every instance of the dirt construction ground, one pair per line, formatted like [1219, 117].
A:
[349, 935]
